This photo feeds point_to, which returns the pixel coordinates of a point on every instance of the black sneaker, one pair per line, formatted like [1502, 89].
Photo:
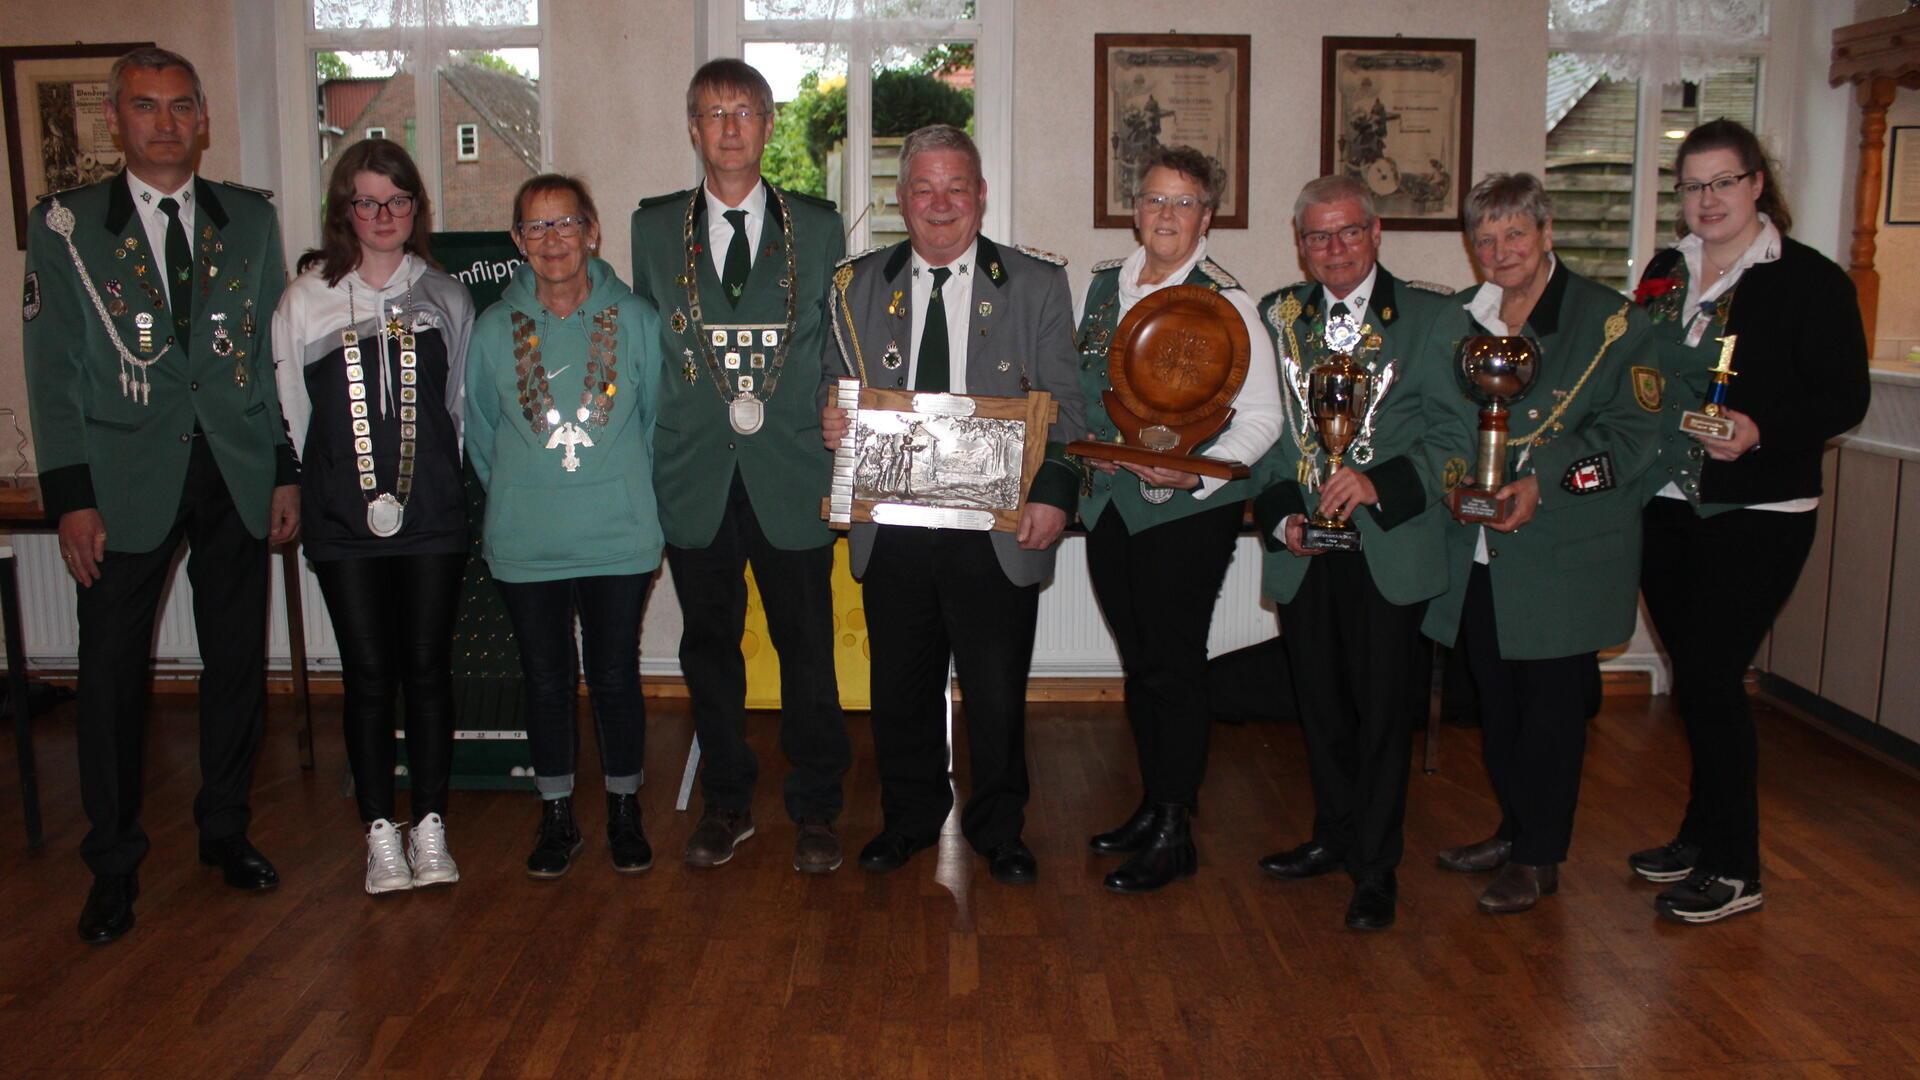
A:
[1706, 897]
[1671, 861]
[625, 841]
[558, 842]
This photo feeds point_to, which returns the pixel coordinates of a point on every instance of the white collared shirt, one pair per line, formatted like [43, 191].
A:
[1356, 301]
[958, 294]
[720, 230]
[146, 202]
[1257, 416]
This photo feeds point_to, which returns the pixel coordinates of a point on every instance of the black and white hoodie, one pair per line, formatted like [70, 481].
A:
[311, 372]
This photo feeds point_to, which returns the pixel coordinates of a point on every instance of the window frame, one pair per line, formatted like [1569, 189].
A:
[296, 40]
[374, 133]
[724, 30]
[461, 134]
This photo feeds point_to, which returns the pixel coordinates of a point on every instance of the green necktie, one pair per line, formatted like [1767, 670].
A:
[739, 260]
[179, 271]
[931, 375]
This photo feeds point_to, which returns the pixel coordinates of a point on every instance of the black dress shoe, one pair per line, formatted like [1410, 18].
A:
[1129, 836]
[1167, 856]
[108, 913]
[557, 842]
[625, 840]
[1307, 860]
[891, 850]
[1373, 902]
[240, 862]
[1012, 864]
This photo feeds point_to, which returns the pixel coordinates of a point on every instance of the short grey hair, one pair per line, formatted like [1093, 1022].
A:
[1503, 195]
[1190, 163]
[937, 137]
[151, 59]
[1333, 189]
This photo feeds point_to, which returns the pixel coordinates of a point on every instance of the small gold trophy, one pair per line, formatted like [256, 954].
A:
[1339, 392]
[1711, 421]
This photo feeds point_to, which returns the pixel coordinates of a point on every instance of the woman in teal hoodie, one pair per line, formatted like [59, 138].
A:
[560, 414]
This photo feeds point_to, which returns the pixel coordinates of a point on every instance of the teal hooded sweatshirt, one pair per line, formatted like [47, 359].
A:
[543, 522]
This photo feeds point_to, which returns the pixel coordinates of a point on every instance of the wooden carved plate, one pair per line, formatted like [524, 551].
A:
[1179, 355]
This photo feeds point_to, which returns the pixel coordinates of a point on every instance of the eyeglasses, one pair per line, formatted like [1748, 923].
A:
[567, 227]
[366, 209]
[717, 117]
[1184, 205]
[1688, 189]
[1349, 236]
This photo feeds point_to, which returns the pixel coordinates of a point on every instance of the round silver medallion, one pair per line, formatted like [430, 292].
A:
[1155, 495]
[384, 515]
[746, 414]
[1343, 334]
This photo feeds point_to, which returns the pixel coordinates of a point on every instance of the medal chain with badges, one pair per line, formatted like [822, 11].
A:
[746, 395]
[386, 511]
[135, 382]
[599, 386]
[1613, 330]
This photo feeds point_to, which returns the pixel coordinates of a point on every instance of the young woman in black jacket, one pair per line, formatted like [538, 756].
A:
[1731, 519]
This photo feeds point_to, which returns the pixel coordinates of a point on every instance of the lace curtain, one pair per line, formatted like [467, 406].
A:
[420, 27]
[1659, 41]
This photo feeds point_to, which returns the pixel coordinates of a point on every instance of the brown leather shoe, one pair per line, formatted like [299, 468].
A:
[1489, 854]
[1519, 887]
[717, 834]
[817, 849]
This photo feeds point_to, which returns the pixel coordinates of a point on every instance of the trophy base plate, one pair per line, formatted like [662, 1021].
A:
[1472, 505]
[1219, 468]
[1330, 537]
[1707, 427]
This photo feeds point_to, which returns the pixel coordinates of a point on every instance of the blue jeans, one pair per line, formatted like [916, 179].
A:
[609, 609]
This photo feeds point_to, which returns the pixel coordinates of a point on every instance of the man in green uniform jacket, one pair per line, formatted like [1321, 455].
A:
[155, 418]
[739, 271]
[1351, 619]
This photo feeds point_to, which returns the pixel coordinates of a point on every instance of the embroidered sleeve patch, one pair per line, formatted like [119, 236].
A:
[1647, 385]
[30, 298]
[1589, 474]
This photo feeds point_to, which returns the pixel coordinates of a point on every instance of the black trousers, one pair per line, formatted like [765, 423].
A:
[1533, 731]
[1713, 587]
[796, 588]
[227, 568]
[1157, 591]
[934, 595]
[1356, 666]
[393, 617]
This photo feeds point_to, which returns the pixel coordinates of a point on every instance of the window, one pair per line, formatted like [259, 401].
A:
[376, 133]
[849, 84]
[378, 67]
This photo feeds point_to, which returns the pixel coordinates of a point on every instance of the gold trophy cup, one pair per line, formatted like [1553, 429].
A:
[1497, 372]
[1338, 393]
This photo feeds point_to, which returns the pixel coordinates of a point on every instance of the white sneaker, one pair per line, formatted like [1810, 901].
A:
[386, 864]
[427, 851]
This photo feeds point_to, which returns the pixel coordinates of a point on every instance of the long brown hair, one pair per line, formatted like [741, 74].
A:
[1725, 134]
[339, 250]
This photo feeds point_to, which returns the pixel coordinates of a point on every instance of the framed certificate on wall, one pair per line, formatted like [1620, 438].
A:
[1397, 114]
[1168, 90]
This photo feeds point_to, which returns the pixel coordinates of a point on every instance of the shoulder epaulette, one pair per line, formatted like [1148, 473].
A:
[1283, 291]
[1270, 303]
[262, 192]
[811, 200]
[1432, 287]
[1043, 256]
[1108, 264]
[62, 191]
[858, 255]
[1220, 277]
[670, 197]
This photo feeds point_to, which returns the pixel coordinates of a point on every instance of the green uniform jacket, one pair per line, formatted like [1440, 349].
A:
[1568, 581]
[784, 465]
[97, 447]
[1122, 488]
[1417, 429]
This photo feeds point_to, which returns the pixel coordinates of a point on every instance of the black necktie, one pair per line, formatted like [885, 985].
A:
[1339, 310]
[739, 259]
[932, 374]
[179, 271]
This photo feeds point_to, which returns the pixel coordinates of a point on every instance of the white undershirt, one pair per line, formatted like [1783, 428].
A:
[1764, 249]
[957, 292]
[146, 201]
[1356, 301]
[720, 230]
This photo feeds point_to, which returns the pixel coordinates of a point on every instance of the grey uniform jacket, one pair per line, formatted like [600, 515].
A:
[1019, 335]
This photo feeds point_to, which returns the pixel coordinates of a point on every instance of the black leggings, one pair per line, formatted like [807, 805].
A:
[393, 617]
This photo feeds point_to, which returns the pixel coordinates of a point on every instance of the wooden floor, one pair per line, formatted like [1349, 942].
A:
[752, 970]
